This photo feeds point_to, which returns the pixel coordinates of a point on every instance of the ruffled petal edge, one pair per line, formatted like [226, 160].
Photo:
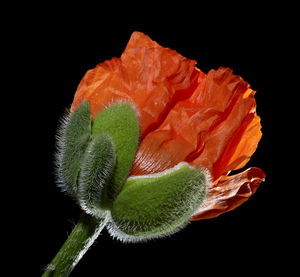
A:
[229, 192]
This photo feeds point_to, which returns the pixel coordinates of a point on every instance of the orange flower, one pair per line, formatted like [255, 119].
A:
[185, 115]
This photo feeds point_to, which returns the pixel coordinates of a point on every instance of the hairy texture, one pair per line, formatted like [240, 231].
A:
[207, 120]
[120, 122]
[73, 138]
[96, 173]
[157, 205]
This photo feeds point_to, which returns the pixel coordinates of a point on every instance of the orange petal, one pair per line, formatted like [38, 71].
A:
[229, 192]
[147, 74]
[216, 127]
[241, 147]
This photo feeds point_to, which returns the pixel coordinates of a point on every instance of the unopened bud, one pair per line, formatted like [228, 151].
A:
[73, 139]
[157, 205]
[96, 175]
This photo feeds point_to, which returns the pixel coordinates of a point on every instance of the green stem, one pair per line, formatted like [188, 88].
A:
[82, 237]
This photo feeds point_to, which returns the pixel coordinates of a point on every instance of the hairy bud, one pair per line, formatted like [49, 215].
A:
[120, 122]
[73, 139]
[94, 161]
[157, 205]
[95, 157]
[96, 174]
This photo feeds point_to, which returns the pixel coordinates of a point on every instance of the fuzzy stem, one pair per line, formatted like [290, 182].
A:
[82, 237]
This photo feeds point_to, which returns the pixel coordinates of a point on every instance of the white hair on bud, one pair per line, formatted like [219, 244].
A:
[208, 177]
[159, 174]
[167, 229]
[209, 185]
[119, 101]
[116, 233]
[88, 199]
[70, 147]
[59, 148]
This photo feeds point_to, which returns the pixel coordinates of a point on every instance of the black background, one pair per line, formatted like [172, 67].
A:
[52, 52]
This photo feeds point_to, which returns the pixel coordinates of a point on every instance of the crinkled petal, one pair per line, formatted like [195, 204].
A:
[207, 120]
[229, 192]
[216, 127]
[148, 75]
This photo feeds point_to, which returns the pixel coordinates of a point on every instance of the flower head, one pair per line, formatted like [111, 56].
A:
[206, 120]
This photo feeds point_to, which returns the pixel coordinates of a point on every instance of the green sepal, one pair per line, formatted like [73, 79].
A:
[96, 173]
[156, 205]
[120, 122]
[74, 136]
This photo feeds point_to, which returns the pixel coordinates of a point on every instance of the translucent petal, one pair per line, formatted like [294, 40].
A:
[229, 192]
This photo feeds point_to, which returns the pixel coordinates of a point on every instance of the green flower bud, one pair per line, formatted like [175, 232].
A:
[159, 204]
[73, 139]
[96, 173]
[120, 122]
[95, 159]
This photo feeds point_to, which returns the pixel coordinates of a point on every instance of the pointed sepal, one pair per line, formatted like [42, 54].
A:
[120, 122]
[96, 173]
[73, 138]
